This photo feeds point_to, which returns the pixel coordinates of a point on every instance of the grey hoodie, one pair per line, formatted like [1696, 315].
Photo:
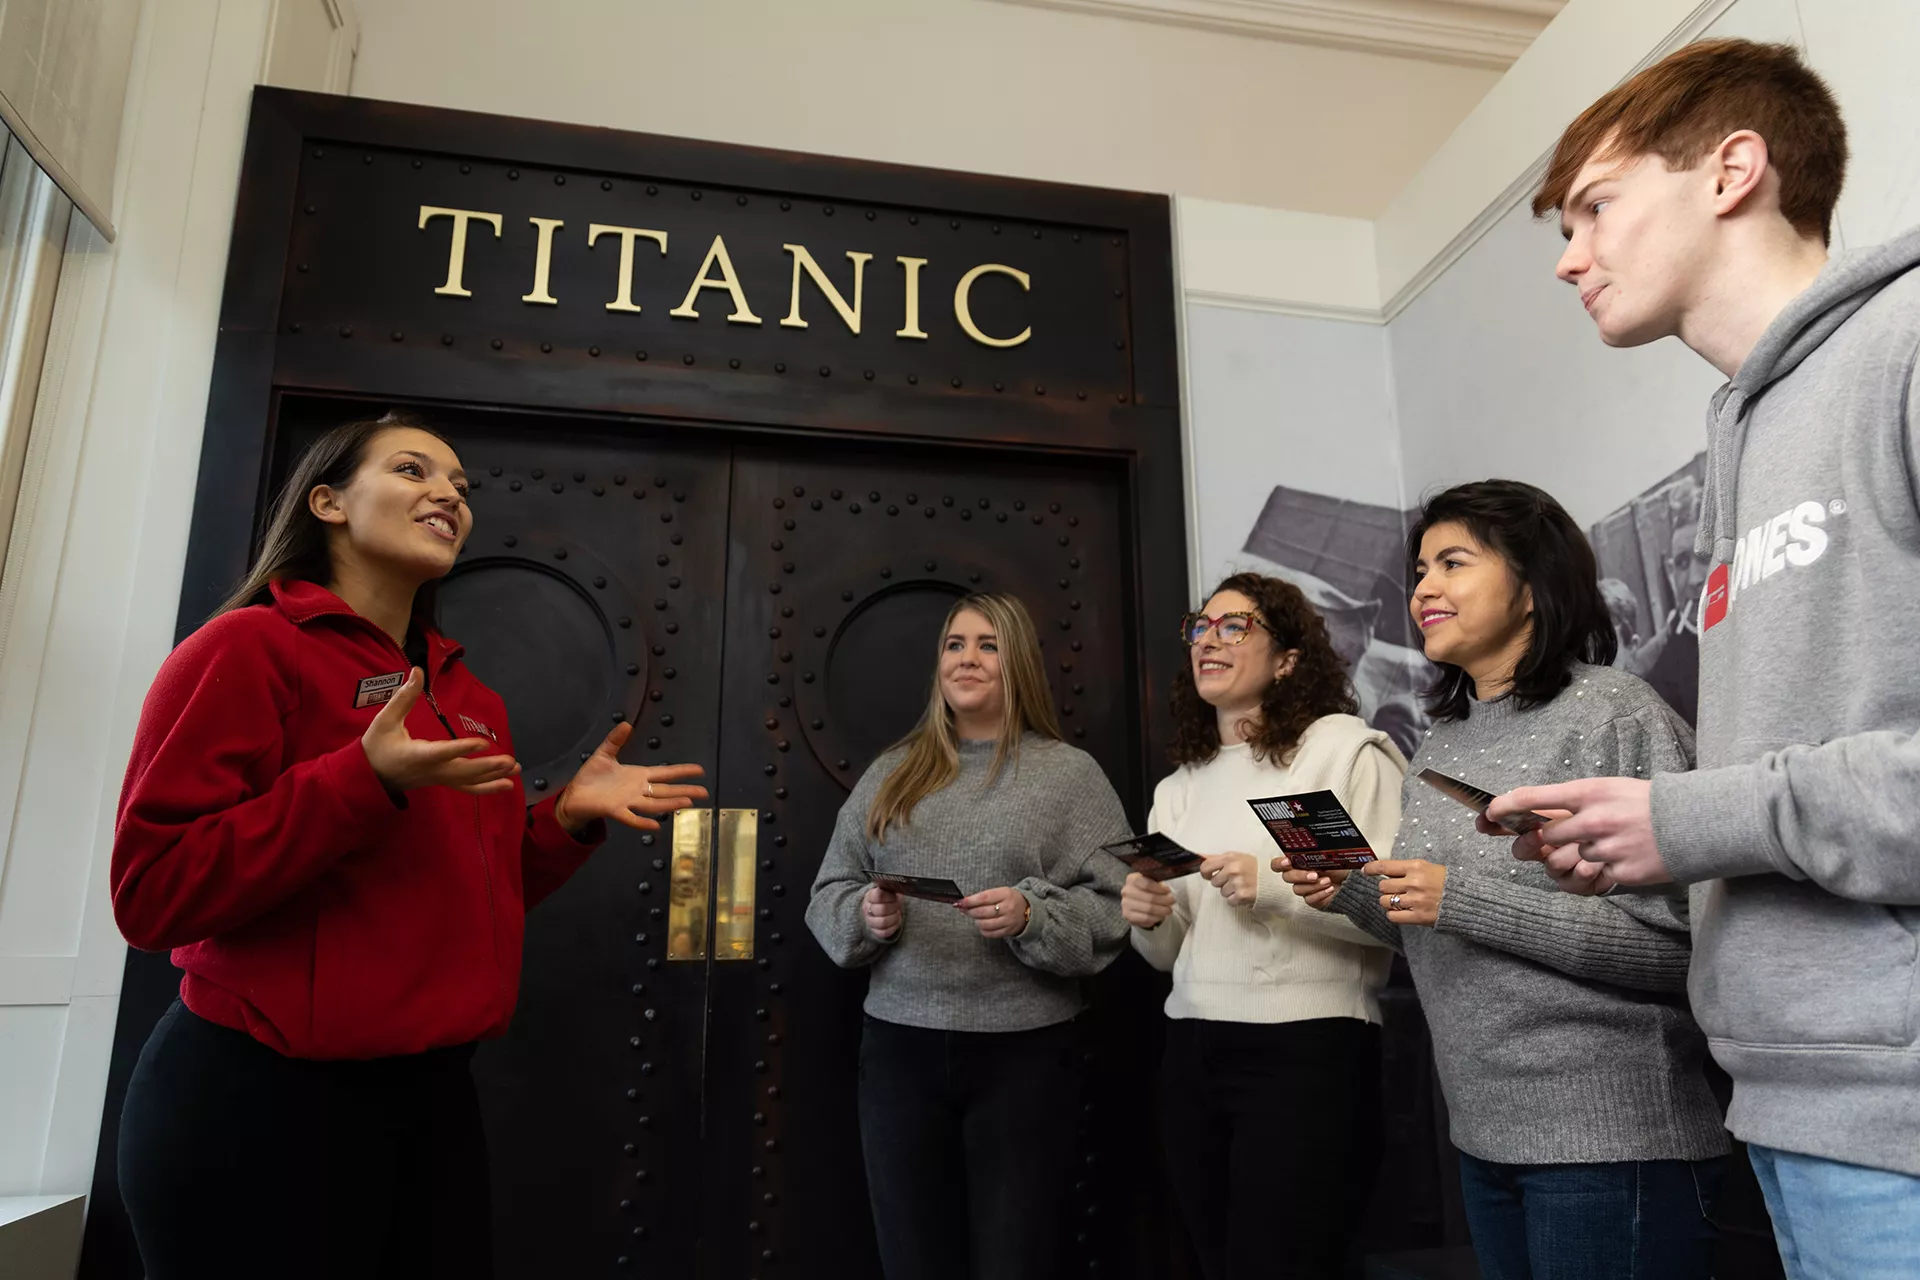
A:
[1801, 829]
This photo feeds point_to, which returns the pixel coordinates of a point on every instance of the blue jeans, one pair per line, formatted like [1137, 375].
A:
[1632, 1220]
[1837, 1221]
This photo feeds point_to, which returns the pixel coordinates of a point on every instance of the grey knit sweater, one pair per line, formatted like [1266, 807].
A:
[1036, 828]
[1560, 1023]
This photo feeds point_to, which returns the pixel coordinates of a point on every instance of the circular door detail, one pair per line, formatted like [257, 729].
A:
[852, 704]
[870, 699]
[555, 644]
[836, 642]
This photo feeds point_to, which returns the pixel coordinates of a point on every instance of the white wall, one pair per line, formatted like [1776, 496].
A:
[1491, 160]
[93, 572]
[1867, 50]
[1498, 370]
[1588, 48]
[959, 84]
[1309, 264]
[1279, 399]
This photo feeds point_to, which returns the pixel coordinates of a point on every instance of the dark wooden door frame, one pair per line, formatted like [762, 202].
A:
[1130, 413]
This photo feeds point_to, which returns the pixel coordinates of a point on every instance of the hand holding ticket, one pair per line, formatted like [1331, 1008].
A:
[1477, 800]
[1155, 856]
[926, 888]
[1314, 830]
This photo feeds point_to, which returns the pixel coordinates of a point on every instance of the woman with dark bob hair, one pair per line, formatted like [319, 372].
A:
[1573, 1072]
[323, 821]
[1269, 998]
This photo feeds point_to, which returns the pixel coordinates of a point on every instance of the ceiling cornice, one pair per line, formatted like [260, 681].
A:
[1475, 33]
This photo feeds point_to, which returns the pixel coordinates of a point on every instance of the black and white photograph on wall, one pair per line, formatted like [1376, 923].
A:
[1349, 559]
[1652, 579]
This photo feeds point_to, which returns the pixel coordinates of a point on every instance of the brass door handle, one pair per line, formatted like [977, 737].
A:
[733, 899]
[695, 869]
[689, 881]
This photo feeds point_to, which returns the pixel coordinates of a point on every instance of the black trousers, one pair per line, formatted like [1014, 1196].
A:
[238, 1162]
[1272, 1134]
[969, 1140]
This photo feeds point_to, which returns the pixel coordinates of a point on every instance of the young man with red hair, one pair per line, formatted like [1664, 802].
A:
[1696, 201]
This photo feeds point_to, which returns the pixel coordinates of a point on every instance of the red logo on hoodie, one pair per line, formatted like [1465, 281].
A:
[1714, 603]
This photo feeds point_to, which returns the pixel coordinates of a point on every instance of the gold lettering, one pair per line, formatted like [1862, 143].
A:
[803, 261]
[742, 314]
[627, 235]
[964, 314]
[912, 329]
[543, 262]
[457, 252]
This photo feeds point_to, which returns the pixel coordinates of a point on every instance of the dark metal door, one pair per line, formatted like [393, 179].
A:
[592, 592]
[841, 565]
[676, 1092]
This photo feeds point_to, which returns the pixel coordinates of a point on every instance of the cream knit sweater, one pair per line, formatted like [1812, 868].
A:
[1277, 960]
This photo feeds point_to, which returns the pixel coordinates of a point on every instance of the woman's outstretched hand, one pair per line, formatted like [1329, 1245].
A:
[631, 794]
[403, 762]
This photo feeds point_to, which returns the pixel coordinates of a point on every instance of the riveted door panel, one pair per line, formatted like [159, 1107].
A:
[592, 1098]
[590, 593]
[842, 566]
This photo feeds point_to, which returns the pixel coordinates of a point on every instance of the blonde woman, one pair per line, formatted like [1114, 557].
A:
[969, 1063]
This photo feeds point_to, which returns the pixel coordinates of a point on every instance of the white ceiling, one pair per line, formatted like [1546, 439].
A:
[1009, 89]
[1475, 33]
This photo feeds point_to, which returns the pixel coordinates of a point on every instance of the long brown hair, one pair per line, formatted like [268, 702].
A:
[294, 545]
[933, 748]
[1317, 686]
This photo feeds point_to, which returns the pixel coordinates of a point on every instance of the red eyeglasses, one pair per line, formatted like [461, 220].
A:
[1232, 628]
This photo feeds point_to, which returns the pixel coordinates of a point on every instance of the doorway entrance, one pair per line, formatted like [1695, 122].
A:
[677, 1089]
[736, 523]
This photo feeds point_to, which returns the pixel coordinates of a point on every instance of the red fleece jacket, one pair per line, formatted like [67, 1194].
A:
[308, 907]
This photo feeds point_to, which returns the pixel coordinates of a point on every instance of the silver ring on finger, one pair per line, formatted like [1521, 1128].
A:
[996, 908]
[649, 791]
[1393, 903]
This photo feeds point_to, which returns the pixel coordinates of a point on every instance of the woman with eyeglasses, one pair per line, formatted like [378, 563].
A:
[1573, 1071]
[1271, 1000]
[970, 1063]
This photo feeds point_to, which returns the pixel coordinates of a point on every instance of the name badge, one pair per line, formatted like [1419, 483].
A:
[375, 690]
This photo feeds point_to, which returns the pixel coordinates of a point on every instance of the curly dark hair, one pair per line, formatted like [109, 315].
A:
[1317, 686]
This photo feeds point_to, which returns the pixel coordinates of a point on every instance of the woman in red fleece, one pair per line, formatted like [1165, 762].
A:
[323, 819]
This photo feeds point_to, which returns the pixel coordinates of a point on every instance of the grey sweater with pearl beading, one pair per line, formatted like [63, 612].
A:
[1038, 828]
[1560, 1024]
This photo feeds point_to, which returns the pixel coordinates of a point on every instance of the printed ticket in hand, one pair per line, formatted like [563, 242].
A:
[1156, 856]
[1315, 831]
[926, 888]
[1477, 800]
